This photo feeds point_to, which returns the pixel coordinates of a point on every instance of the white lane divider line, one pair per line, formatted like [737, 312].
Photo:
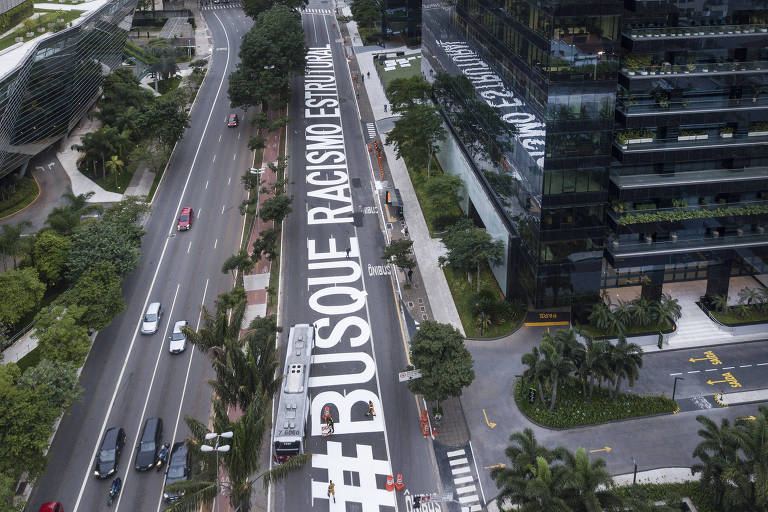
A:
[206, 184]
[728, 368]
[189, 246]
[745, 366]
[711, 370]
[695, 371]
[761, 364]
[676, 373]
[215, 243]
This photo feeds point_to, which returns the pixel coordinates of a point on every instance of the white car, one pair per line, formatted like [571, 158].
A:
[151, 321]
[178, 339]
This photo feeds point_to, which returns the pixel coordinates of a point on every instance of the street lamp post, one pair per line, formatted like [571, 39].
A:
[674, 387]
[217, 448]
[634, 475]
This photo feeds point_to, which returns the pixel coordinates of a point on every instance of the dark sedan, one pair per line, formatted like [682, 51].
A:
[149, 444]
[178, 469]
[109, 453]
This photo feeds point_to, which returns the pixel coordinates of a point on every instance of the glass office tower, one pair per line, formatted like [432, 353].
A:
[570, 120]
[49, 84]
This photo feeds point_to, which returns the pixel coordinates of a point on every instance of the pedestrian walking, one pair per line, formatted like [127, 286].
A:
[370, 412]
[332, 490]
[385, 107]
[410, 275]
[347, 252]
[329, 424]
[369, 74]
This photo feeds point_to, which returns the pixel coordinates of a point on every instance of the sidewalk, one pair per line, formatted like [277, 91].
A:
[20, 348]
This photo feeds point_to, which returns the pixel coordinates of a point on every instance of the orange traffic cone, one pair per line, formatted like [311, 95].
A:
[390, 483]
[399, 483]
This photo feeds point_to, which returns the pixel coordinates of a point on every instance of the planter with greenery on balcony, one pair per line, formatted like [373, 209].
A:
[680, 215]
[726, 132]
[758, 129]
[692, 135]
[637, 136]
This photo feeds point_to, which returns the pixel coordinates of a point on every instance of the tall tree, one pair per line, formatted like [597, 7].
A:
[53, 381]
[49, 255]
[751, 438]
[717, 453]
[556, 364]
[469, 247]
[99, 293]
[443, 191]
[446, 365]
[166, 120]
[20, 294]
[367, 13]
[102, 241]
[64, 219]
[276, 208]
[404, 93]
[626, 359]
[400, 253]
[588, 484]
[13, 244]
[238, 262]
[416, 135]
[253, 8]
[60, 336]
[534, 373]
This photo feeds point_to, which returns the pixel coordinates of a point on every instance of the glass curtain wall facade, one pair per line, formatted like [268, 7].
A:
[537, 84]
[401, 18]
[57, 81]
[571, 121]
[689, 187]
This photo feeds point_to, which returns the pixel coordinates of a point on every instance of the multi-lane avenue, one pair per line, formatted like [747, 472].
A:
[129, 377]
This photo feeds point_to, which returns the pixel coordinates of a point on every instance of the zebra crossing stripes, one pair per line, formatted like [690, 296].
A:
[371, 129]
[466, 490]
[210, 6]
[317, 11]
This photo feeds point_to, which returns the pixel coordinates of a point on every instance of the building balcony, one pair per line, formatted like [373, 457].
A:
[648, 247]
[712, 68]
[640, 106]
[689, 32]
[650, 143]
[751, 211]
[686, 178]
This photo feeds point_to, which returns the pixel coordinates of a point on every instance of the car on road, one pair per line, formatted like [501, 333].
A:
[178, 339]
[52, 506]
[109, 453]
[186, 217]
[151, 321]
[149, 444]
[178, 469]
[233, 120]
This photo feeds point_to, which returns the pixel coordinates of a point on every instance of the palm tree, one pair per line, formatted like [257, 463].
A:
[643, 311]
[589, 485]
[555, 365]
[720, 302]
[533, 373]
[751, 439]
[668, 311]
[623, 314]
[626, 359]
[717, 452]
[749, 296]
[544, 490]
[763, 303]
[115, 165]
[220, 326]
[522, 455]
[602, 317]
[13, 244]
[596, 362]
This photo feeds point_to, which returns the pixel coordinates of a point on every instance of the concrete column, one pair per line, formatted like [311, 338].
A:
[652, 286]
[718, 278]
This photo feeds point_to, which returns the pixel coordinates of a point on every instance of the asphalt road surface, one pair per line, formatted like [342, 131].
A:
[351, 299]
[705, 370]
[129, 377]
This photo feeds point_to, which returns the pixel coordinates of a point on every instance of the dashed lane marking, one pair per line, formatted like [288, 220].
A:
[745, 366]
[695, 371]
[728, 368]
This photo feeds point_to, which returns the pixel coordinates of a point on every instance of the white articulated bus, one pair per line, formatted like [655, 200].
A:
[292, 417]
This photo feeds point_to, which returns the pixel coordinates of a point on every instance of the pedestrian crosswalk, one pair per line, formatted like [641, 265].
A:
[212, 5]
[317, 11]
[464, 480]
[371, 129]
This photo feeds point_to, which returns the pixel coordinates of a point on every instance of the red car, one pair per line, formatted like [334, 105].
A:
[185, 219]
[51, 506]
[232, 120]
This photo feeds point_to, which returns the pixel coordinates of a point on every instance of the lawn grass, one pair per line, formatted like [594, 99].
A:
[573, 409]
[735, 317]
[26, 192]
[46, 16]
[399, 72]
[117, 183]
[463, 293]
[168, 85]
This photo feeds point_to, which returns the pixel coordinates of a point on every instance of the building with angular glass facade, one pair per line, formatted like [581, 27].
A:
[49, 83]
[607, 143]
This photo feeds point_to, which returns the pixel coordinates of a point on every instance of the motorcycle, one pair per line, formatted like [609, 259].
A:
[162, 455]
[114, 490]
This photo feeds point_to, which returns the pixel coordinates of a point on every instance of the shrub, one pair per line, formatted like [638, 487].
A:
[13, 16]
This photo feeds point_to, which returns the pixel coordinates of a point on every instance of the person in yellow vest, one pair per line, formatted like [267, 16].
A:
[332, 490]
[370, 412]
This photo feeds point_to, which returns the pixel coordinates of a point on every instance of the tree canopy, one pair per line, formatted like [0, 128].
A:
[446, 365]
[59, 334]
[101, 241]
[403, 93]
[49, 254]
[416, 134]
[99, 293]
[20, 294]
[469, 246]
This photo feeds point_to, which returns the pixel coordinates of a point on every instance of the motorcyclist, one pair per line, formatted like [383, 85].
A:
[162, 455]
[117, 484]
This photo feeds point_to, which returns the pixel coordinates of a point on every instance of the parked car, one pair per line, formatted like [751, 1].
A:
[151, 321]
[233, 120]
[186, 217]
[178, 469]
[52, 506]
[109, 453]
[178, 339]
[149, 444]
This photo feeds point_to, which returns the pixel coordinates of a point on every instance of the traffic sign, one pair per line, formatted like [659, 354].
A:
[409, 375]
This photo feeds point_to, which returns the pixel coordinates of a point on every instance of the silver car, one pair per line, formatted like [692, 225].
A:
[151, 321]
[178, 339]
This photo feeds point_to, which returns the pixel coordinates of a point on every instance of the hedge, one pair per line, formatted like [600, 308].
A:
[12, 17]
[573, 409]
